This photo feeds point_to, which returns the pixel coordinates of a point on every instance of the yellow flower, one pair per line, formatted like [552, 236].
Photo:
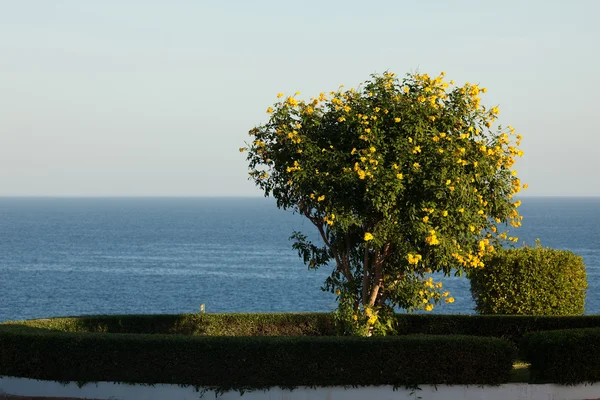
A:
[448, 182]
[461, 210]
[414, 259]
[338, 292]
[426, 218]
[406, 89]
[355, 317]
[368, 130]
[372, 149]
[399, 176]
[341, 119]
[525, 186]
[368, 236]
[416, 165]
[396, 119]
[449, 300]
[444, 213]
[432, 240]
[279, 95]
[429, 307]
[321, 198]
[417, 149]
[242, 149]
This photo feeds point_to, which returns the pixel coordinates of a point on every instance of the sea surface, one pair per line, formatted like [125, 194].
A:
[77, 256]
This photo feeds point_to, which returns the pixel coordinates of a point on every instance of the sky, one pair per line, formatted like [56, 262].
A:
[154, 98]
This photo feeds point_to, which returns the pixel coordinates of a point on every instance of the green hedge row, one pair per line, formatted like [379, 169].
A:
[227, 363]
[311, 324]
[257, 324]
[563, 356]
[511, 327]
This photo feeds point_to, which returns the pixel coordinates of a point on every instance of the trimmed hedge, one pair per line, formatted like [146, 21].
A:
[564, 356]
[228, 363]
[272, 324]
[530, 281]
[511, 327]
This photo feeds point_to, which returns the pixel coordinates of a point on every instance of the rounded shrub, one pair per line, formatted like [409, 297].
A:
[530, 281]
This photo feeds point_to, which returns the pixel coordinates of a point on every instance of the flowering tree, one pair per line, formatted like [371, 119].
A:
[400, 178]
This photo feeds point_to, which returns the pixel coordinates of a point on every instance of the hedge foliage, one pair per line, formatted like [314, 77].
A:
[569, 356]
[530, 281]
[228, 363]
[272, 324]
[511, 327]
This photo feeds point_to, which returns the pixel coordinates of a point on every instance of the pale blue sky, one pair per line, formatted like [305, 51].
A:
[136, 98]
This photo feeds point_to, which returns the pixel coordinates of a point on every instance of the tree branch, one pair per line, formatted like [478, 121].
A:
[365, 280]
[341, 266]
[377, 265]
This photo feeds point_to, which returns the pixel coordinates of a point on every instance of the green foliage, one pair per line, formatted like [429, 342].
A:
[510, 327]
[400, 178]
[564, 356]
[226, 363]
[283, 324]
[530, 281]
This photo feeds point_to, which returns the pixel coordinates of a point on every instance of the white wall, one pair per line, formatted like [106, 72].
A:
[107, 390]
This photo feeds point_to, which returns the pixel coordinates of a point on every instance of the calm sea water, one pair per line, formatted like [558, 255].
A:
[169, 255]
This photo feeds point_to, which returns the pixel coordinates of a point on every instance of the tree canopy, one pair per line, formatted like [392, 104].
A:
[401, 178]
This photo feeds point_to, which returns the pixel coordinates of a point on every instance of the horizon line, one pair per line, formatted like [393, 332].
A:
[218, 196]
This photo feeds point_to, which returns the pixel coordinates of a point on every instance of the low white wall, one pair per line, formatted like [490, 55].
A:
[112, 391]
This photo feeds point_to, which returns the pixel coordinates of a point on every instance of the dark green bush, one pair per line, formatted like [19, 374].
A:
[563, 356]
[530, 281]
[510, 327]
[253, 362]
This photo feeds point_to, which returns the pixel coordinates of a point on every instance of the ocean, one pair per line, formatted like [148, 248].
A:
[81, 256]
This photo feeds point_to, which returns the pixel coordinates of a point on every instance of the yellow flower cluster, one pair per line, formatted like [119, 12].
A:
[432, 239]
[329, 219]
[294, 168]
[414, 259]
[368, 236]
[468, 260]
